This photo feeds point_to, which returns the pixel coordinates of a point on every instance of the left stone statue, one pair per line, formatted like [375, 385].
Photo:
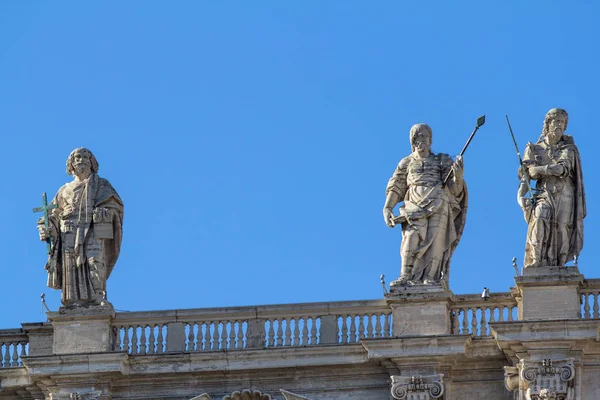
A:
[86, 229]
[434, 211]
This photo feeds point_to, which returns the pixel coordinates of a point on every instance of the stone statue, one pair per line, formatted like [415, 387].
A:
[555, 217]
[86, 230]
[433, 214]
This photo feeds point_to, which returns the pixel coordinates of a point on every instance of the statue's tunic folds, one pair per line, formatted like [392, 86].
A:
[555, 232]
[88, 220]
[435, 214]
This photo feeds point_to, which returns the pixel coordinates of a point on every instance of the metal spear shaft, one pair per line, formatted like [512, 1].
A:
[480, 122]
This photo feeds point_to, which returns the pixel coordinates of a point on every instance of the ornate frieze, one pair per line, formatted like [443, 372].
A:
[417, 387]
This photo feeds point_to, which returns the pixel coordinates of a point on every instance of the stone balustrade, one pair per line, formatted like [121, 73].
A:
[281, 326]
[13, 346]
[470, 314]
[235, 328]
[590, 298]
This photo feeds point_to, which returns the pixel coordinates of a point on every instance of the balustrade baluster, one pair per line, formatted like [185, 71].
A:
[492, 312]
[387, 326]
[510, 313]
[279, 341]
[483, 322]
[151, 340]
[231, 339]
[352, 338]
[239, 344]
[288, 333]
[596, 308]
[23, 350]
[143, 340]
[586, 306]
[362, 329]
[501, 312]
[465, 322]
[474, 321]
[313, 331]
[14, 356]
[304, 331]
[296, 331]
[217, 336]
[344, 336]
[271, 333]
[378, 332]
[455, 322]
[6, 358]
[191, 336]
[126, 339]
[369, 326]
[134, 340]
[209, 336]
[159, 339]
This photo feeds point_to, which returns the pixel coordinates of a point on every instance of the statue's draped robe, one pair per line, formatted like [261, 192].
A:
[88, 220]
[435, 214]
[555, 232]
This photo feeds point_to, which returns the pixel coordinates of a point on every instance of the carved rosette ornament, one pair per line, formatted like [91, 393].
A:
[417, 387]
[542, 380]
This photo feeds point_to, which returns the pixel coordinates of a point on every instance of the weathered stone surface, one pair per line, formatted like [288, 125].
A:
[417, 387]
[555, 217]
[85, 226]
[421, 309]
[291, 396]
[549, 293]
[83, 330]
[542, 380]
[436, 211]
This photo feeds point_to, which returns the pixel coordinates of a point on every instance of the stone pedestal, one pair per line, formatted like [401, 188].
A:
[549, 293]
[420, 309]
[82, 330]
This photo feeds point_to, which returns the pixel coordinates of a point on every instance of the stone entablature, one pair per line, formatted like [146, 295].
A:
[324, 351]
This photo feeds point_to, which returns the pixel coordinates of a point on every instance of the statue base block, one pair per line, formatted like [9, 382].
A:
[82, 330]
[549, 293]
[420, 309]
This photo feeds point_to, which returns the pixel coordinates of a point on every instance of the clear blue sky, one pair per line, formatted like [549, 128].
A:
[252, 141]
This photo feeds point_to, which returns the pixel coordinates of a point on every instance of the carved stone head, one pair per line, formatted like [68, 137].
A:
[81, 158]
[555, 125]
[420, 137]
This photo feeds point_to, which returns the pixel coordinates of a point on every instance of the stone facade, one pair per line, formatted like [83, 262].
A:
[414, 344]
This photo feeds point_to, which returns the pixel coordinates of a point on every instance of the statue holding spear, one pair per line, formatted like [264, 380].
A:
[434, 209]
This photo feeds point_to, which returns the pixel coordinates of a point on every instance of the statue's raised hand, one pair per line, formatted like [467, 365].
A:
[45, 234]
[458, 169]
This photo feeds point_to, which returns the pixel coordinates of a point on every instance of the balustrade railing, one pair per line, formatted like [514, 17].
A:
[14, 344]
[590, 293]
[470, 314]
[198, 330]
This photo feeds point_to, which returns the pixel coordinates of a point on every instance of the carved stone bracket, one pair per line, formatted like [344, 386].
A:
[417, 387]
[542, 380]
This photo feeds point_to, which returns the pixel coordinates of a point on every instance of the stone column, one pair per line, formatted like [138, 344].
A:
[420, 309]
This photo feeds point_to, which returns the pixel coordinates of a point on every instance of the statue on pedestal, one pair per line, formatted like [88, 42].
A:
[84, 224]
[555, 216]
[434, 211]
